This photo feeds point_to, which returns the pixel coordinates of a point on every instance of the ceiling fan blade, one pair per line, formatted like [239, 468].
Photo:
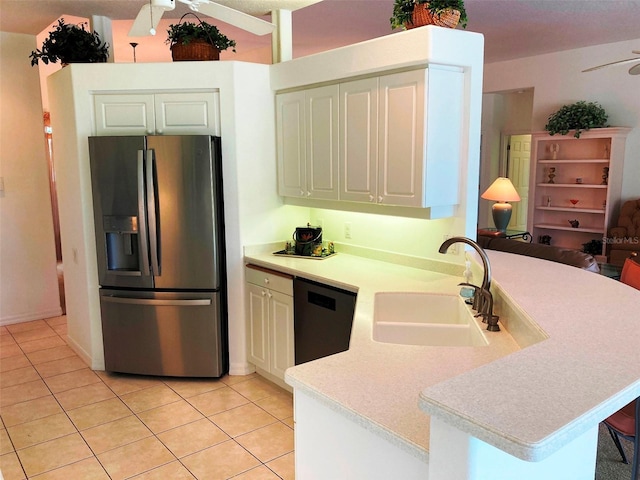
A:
[635, 70]
[619, 62]
[143, 24]
[232, 16]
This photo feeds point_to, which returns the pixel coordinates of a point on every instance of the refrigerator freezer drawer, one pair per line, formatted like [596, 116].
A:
[163, 333]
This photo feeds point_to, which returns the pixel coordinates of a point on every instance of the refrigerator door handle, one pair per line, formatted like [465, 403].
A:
[142, 215]
[158, 303]
[151, 208]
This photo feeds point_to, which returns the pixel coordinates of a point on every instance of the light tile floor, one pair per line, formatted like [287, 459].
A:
[61, 420]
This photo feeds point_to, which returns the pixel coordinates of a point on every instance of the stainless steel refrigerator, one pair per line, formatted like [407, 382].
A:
[160, 247]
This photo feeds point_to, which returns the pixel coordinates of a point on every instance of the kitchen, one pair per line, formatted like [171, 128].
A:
[258, 223]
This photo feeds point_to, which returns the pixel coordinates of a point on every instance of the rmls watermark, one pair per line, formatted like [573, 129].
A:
[621, 240]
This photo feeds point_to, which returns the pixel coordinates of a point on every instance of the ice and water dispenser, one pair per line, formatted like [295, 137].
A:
[121, 234]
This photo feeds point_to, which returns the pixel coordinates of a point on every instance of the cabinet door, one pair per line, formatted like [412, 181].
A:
[258, 326]
[187, 113]
[290, 142]
[124, 114]
[359, 140]
[322, 142]
[401, 138]
[281, 320]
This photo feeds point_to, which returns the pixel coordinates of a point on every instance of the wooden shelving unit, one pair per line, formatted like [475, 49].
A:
[587, 169]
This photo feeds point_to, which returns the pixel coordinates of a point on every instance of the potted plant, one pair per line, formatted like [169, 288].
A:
[577, 116]
[197, 41]
[415, 13]
[71, 44]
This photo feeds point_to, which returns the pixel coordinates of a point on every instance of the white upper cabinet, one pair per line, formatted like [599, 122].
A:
[307, 143]
[359, 140]
[397, 140]
[401, 138]
[290, 144]
[190, 113]
[322, 142]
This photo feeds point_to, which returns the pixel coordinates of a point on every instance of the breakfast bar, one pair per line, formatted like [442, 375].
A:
[539, 387]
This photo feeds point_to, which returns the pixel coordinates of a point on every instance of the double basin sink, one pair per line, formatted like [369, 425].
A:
[429, 319]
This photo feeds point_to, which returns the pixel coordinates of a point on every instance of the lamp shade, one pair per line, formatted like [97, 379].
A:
[502, 190]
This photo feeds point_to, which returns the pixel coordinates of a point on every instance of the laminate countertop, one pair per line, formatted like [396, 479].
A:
[566, 357]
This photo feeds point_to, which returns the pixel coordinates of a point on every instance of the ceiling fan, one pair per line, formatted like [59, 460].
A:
[635, 70]
[150, 14]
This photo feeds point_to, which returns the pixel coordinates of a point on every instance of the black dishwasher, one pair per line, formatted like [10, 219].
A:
[323, 317]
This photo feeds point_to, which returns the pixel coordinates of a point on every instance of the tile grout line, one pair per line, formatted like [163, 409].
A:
[63, 410]
[153, 434]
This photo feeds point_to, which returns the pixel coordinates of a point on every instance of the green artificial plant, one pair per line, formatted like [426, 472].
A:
[577, 116]
[185, 32]
[71, 44]
[403, 10]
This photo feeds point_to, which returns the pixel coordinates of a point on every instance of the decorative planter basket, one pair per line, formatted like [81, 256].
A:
[422, 16]
[195, 50]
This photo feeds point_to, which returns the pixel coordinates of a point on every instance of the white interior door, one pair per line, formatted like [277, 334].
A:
[518, 158]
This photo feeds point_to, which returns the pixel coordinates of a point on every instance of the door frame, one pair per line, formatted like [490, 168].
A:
[503, 159]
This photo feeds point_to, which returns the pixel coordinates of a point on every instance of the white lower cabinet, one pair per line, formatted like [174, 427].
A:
[269, 297]
[172, 113]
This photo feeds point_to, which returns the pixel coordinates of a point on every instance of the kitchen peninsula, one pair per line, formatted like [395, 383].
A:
[533, 403]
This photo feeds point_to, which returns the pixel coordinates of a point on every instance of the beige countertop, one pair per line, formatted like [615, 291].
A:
[527, 401]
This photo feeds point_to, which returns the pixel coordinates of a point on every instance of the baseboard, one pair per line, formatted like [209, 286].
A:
[242, 368]
[272, 378]
[83, 354]
[29, 317]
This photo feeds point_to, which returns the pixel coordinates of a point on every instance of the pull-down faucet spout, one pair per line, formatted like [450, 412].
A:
[482, 298]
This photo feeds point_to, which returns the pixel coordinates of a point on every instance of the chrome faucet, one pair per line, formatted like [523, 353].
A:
[482, 298]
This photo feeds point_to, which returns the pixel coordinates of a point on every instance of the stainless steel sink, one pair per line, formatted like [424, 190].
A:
[431, 319]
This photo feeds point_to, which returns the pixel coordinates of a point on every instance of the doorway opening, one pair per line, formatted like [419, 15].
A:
[505, 151]
[48, 137]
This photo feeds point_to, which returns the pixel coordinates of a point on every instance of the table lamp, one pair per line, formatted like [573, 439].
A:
[502, 191]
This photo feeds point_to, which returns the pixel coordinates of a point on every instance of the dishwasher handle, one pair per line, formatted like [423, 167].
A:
[322, 301]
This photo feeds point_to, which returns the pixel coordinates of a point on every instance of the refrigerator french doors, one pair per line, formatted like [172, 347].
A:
[160, 251]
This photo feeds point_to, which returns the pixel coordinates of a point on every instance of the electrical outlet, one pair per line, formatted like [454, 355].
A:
[453, 249]
[347, 229]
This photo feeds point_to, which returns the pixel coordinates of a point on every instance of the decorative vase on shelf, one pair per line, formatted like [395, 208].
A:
[554, 148]
[551, 174]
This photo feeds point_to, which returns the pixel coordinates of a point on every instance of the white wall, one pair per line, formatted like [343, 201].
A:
[28, 282]
[557, 80]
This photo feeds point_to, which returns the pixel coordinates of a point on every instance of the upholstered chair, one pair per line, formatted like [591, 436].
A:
[624, 238]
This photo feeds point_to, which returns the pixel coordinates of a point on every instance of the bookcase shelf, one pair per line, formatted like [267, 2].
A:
[587, 169]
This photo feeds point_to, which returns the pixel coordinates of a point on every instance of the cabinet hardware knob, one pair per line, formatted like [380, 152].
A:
[266, 280]
[160, 132]
[264, 293]
[380, 199]
[371, 198]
